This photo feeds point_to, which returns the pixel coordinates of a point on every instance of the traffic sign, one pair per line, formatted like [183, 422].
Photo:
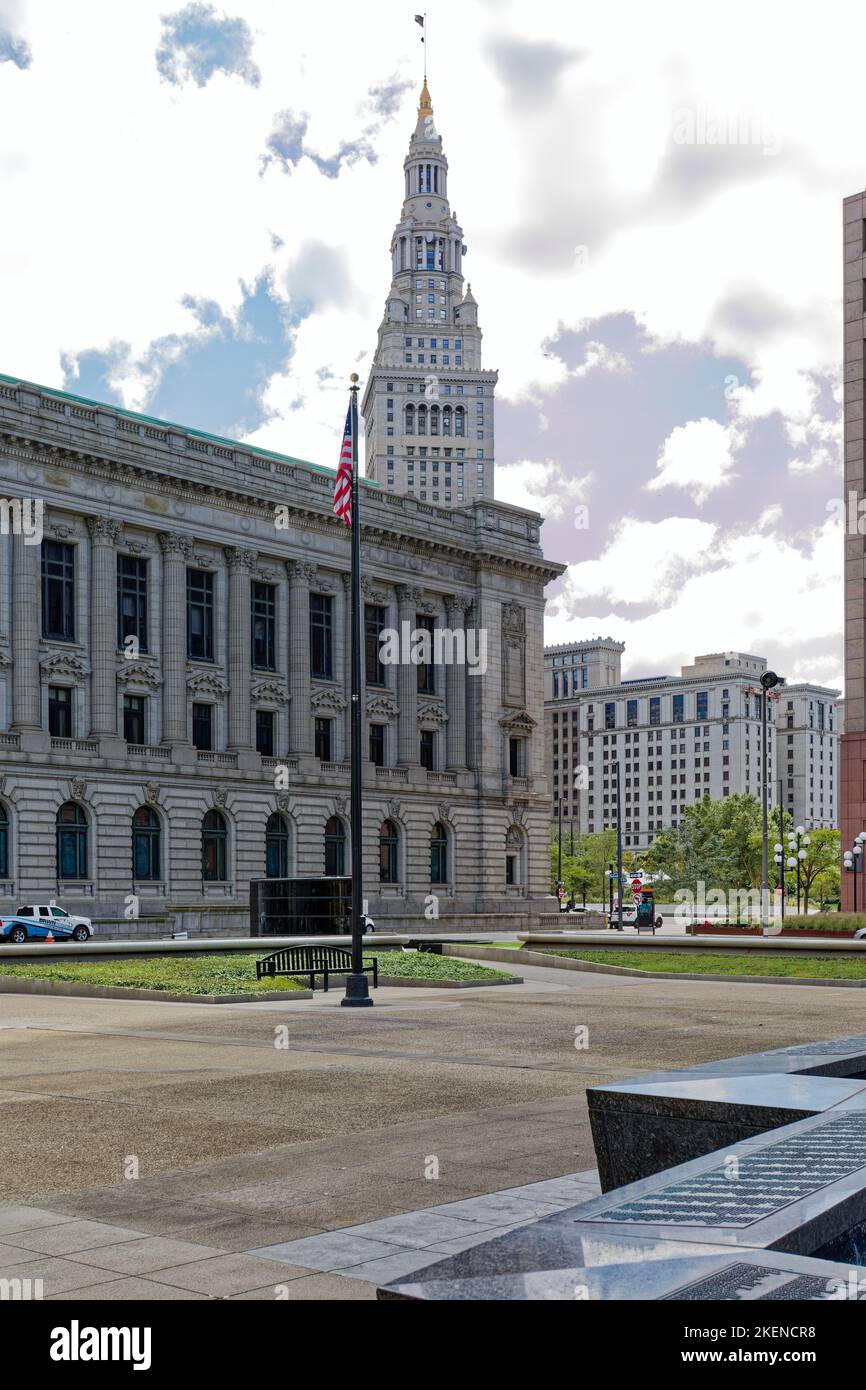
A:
[637, 883]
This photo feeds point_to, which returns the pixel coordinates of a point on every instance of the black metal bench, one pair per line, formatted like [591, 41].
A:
[312, 961]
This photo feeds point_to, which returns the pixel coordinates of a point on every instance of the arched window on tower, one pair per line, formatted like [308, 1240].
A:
[422, 419]
[436, 179]
[410, 419]
[446, 419]
[434, 419]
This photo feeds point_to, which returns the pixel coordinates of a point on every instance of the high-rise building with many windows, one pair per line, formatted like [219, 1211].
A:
[428, 404]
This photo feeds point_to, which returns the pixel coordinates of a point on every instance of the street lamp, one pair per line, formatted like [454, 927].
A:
[768, 681]
[797, 839]
[852, 860]
[618, 850]
[779, 856]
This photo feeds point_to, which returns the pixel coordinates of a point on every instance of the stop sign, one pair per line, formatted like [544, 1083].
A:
[637, 884]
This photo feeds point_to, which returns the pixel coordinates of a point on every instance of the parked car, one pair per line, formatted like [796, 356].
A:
[34, 921]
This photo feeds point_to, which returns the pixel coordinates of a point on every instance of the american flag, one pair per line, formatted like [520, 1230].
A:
[343, 485]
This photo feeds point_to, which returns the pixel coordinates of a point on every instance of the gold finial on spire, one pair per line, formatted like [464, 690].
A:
[425, 106]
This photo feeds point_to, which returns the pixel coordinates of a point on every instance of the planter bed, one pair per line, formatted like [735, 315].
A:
[706, 929]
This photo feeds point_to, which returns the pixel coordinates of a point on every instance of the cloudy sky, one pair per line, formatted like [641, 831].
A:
[197, 204]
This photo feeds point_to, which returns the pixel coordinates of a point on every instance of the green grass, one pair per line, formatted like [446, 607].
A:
[703, 963]
[234, 974]
[424, 965]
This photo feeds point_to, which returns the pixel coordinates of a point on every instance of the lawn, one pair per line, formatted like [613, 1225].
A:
[235, 974]
[811, 967]
[231, 974]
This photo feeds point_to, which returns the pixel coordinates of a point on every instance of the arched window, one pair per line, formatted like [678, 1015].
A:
[410, 419]
[335, 848]
[145, 844]
[388, 842]
[71, 842]
[446, 419]
[460, 420]
[438, 854]
[4, 842]
[434, 419]
[422, 419]
[276, 847]
[214, 848]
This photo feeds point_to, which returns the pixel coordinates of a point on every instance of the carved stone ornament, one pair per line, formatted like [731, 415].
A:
[65, 665]
[383, 706]
[151, 793]
[444, 814]
[514, 837]
[207, 683]
[300, 572]
[431, 715]
[283, 801]
[370, 592]
[175, 543]
[394, 808]
[104, 530]
[328, 699]
[513, 619]
[139, 673]
[270, 691]
[76, 787]
[519, 725]
[239, 559]
[220, 796]
[341, 805]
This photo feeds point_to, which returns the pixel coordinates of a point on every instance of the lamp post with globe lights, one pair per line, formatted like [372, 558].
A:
[769, 680]
[797, 840]
[779, 856]
[852, 860]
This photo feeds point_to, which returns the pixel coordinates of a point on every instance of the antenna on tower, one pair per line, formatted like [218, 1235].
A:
[422, 20]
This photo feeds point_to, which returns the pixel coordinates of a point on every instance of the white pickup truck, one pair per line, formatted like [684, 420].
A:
[38, 919]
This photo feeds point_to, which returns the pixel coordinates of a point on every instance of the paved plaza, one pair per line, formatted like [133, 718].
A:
[306, 1151]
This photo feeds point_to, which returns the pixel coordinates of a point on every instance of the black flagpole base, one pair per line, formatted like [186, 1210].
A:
[357, 994]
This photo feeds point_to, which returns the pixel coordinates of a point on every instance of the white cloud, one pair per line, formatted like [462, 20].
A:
[697, 457]
[541, 487]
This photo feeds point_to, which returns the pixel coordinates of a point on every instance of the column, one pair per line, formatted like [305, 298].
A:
[240, 564]
[104, 537]
[408, 751]
[176, 550]
[26, 688]
[456, 608]
[301, 574]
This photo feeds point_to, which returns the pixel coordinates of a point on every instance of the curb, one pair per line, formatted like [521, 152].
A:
[18, 984]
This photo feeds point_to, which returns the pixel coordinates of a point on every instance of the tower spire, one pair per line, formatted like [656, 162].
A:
[425, 105]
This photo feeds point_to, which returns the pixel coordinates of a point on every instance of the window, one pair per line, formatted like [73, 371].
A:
[133, 718]
[388, 852]
[517, 757]
[60, 711]
[377, 745]
[263, 603]
[4, 842]
[702, 705]
[145, 845]
[374, 621]
[202, 727]
[132, 600]
[276, 847]
[58, 591]
[265, 732]
[610, 715]
[426, 669]
[71, 842]
[214, 847]
[428, 749]
[335, 848]
[321, 637]
[631, 713]
[199, 615]
[438, 854]
[678, 709]
[323, 743]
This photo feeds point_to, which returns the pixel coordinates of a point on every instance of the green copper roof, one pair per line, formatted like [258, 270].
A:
[169, 425]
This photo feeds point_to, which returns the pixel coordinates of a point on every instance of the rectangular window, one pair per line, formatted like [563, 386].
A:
[199, 615]
[655, 709]
[631, 713]
[377, 745]
[427, 748]
[678, 709]
[133, 718]
[263, 602]
[202, 727]
[132, 600]
[517, 757]
[702, 705]
[59, 711]
[323, 740]
[58, 591]
[610, 715]
[426, 669]
[265, 732]
[375, 618]
[321, 636]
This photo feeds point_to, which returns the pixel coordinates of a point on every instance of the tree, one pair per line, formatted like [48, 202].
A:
[822, 857]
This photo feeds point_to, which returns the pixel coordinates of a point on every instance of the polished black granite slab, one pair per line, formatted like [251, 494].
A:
[742, 1218]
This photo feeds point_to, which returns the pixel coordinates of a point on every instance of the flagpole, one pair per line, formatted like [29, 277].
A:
[357, 990]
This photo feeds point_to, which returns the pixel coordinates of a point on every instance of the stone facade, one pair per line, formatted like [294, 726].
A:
[853, 749]
[202, 699]
[681, 738]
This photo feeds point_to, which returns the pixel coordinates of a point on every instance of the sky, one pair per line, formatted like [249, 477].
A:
[197, 204]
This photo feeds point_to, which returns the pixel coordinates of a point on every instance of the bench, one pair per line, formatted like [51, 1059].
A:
[312, 961]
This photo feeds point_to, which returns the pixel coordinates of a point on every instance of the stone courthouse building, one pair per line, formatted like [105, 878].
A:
[174, 673]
